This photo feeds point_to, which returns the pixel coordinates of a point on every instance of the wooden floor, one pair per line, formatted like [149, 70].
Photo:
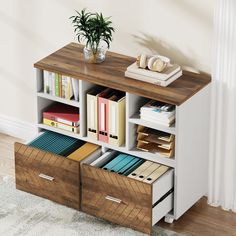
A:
[200, 220]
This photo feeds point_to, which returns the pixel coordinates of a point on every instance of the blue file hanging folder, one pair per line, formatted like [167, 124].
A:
[133, 167]
[122, 164]
[114, 161]
[132, 161]
[56, 143]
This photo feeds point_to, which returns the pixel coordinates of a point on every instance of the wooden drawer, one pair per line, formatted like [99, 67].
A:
[48, 175]
[126, 201]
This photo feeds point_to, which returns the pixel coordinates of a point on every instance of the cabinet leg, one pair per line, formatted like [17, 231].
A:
[169, 219]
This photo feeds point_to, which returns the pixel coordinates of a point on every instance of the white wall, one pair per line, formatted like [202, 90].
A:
[31, 29]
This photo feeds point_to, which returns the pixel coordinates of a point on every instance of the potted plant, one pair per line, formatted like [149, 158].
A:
[95, 29]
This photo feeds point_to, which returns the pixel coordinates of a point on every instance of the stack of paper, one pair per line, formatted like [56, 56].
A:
[170, 74]
[158, 112]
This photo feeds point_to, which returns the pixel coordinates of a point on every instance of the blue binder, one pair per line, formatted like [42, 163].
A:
[131, 162]
[113, 162]
[122, 164]
[133, 167]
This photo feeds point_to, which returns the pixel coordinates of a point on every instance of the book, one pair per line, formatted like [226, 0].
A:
[52, 123]
[164, 75]
[57, 90]
[84, 151]
[63, 113]
[75, 86]
[67, 90]
[46, 76]
[158, 109]
[167, 122]
[144, 78]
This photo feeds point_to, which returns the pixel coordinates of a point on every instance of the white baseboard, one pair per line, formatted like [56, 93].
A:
[17, 128]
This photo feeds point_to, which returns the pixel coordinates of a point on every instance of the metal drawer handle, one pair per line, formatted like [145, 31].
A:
[47, 177]
[113, 199]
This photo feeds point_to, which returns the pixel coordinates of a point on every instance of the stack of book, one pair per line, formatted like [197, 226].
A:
[155, 141]
[60, 85]
[166, 77]
[158, 112]
[62, 116]
[133, 167]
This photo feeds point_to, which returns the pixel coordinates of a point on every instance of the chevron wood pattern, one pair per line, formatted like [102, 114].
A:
[31, 162]
[116, 198]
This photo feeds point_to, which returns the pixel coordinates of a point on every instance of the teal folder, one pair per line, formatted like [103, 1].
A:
[56, 143]
[131, 162]
[122, 164]
[133, 167]
[114, 161]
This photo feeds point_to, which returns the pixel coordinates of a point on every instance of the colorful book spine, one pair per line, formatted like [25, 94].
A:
[53, 123]
[57, 85]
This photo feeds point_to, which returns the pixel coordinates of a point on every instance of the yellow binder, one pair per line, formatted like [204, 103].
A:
[116, 131]
[92, 112]
[156, 174]
[86, 150]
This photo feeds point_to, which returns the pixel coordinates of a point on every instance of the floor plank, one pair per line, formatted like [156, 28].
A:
[200, 220]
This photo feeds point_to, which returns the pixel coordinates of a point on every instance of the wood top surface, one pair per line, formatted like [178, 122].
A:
[69, 61]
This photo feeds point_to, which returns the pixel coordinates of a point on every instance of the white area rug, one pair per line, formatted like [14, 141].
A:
[23, 214]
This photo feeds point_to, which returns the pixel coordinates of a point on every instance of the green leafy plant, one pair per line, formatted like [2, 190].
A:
[93, 28]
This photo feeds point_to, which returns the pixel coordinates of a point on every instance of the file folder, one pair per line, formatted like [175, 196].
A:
[140, 169]
[133, 167]
[156, 174]
[83, 152]
[113, 162]
[103, 116]
[117, 120]
[133, 161]
[56, 143]
[122, 164]
[92, 114]
[143, 175]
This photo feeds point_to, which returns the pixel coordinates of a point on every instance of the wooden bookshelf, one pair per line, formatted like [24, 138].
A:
[190, 94]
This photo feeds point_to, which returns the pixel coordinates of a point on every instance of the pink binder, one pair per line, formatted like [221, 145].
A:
[103, 115]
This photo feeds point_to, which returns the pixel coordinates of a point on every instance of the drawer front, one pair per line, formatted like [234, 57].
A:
[47, 175]
[116, 198]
